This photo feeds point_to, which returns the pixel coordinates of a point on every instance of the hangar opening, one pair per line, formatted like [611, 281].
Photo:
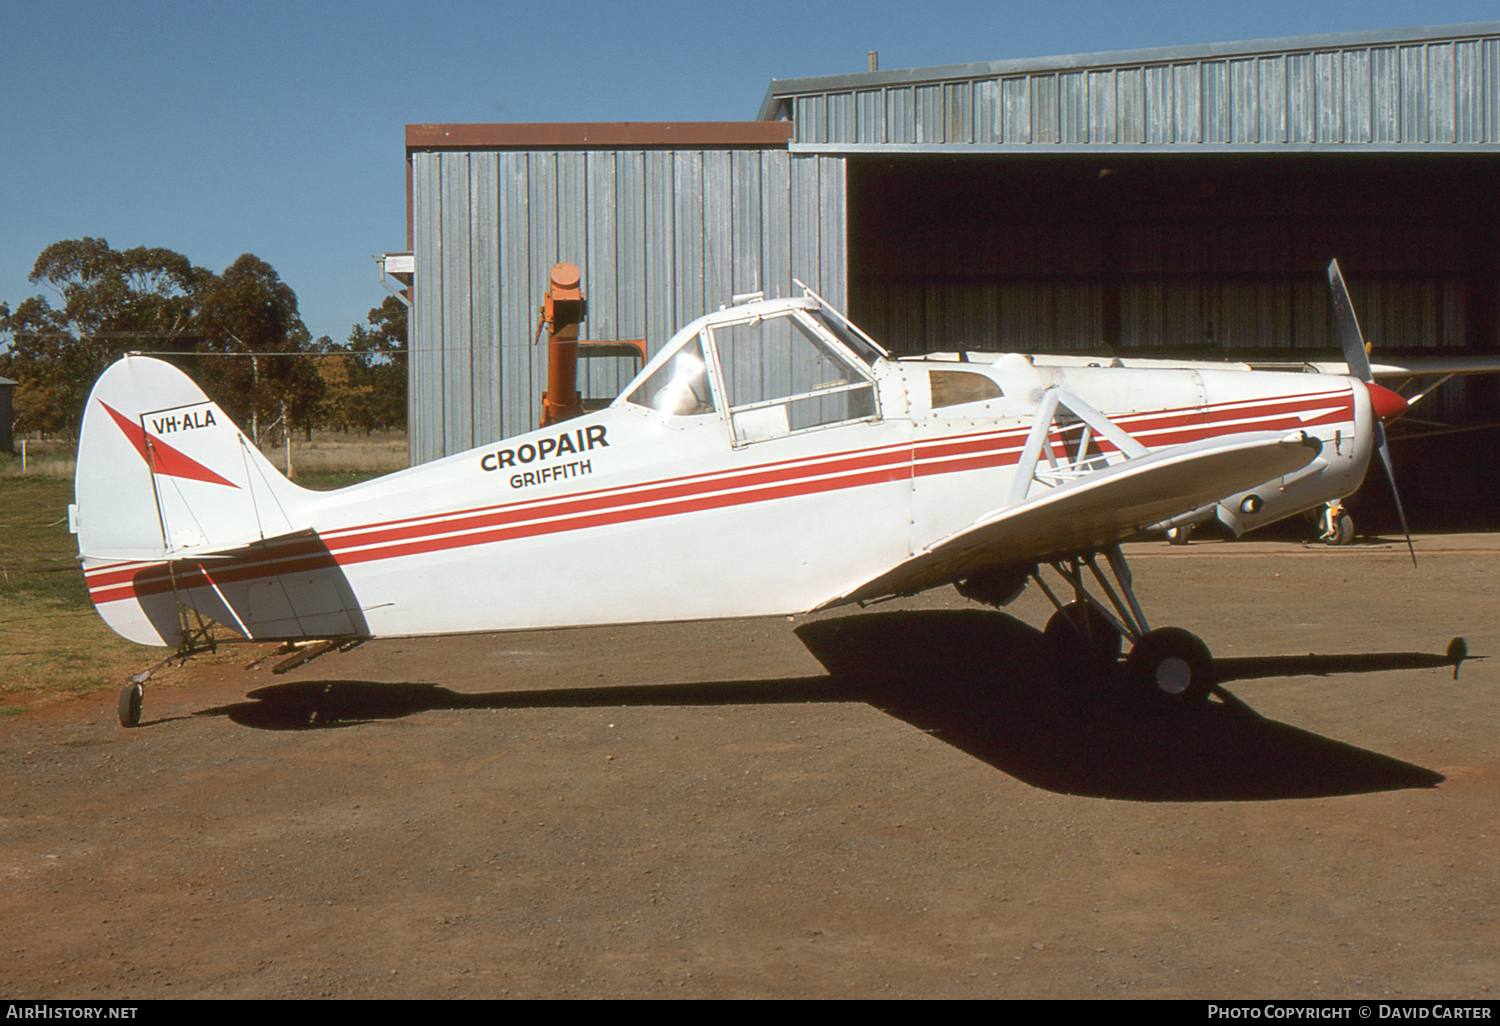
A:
[1201, 255]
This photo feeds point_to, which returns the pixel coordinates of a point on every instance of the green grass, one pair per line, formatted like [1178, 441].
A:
[51, 640]
[36, 551]
[44, 459]
[327, 480]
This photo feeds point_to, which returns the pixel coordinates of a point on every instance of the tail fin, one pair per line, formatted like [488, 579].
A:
[164, 474]
[163, 471]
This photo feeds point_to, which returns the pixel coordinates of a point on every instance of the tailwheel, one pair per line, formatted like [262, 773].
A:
[130, 705]
[1169, 662]
[1082, 637]
[1337, 526]
[1343, 530]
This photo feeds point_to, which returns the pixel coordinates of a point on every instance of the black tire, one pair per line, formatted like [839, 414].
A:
[1180, 535]
[130, 706]
[1171, 664]
[1079, 637]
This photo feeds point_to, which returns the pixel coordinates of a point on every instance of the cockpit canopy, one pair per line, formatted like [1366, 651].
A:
[774, 367]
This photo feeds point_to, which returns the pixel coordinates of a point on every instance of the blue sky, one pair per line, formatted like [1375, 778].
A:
[277, 128]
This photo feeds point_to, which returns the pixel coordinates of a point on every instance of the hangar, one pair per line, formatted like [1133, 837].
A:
[1183, 199]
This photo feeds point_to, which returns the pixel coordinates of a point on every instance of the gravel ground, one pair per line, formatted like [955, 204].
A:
[699, 810]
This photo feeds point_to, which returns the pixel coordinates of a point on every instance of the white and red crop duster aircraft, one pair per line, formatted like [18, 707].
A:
[770, 459]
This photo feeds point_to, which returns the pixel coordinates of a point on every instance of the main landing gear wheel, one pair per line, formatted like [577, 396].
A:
[1173, 664]
[130, 705]
[1080, 636]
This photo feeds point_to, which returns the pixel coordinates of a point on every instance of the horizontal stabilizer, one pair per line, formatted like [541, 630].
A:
[285, 588]
[172, 497]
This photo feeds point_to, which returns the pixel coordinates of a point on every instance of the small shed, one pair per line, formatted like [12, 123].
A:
[666, 220]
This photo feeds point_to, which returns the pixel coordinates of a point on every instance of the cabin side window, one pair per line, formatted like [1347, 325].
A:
[780, 377]
[679, 387]
[954, 388]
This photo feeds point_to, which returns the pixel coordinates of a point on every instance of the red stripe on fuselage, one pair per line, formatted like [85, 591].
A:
[694, 493]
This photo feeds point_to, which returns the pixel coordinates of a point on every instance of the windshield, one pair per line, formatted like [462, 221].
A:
[781, 377]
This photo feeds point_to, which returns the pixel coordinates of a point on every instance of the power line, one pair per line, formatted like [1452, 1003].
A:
[293, 352]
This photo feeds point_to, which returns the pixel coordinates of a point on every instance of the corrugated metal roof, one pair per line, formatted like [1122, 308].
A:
[1401, 89]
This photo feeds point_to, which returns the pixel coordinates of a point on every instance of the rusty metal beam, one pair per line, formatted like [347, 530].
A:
[601, 135]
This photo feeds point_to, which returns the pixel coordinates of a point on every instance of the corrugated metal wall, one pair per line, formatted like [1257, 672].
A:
[1078, 201]
[662, 236]
[1438, 90]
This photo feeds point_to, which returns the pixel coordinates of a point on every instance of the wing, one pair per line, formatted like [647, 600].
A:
[1096, 510]
[1417, 367]
[1410, 375]
[1383, 366]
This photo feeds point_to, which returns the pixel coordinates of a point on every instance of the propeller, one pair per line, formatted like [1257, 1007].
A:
[1386, 404]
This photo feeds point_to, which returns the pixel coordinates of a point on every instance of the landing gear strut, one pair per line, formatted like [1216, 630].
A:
[195, 639]
[1168, 663]
[197, 636]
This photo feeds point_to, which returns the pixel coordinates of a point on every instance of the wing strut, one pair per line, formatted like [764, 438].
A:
[1424, 393]
[1039, 443]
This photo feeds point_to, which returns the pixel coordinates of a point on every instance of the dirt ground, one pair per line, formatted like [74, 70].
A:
[701, 811]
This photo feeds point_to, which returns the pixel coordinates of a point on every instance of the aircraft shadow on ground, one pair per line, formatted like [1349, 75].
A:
[982, 682]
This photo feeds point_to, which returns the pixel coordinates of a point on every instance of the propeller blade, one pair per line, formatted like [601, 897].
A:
[1350, 339]
[1390, 475]
[1385, 404]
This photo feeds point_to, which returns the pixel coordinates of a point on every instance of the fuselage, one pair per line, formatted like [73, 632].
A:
[728, 480]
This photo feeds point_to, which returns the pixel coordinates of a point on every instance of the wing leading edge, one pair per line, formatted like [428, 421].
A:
[1097, 510]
